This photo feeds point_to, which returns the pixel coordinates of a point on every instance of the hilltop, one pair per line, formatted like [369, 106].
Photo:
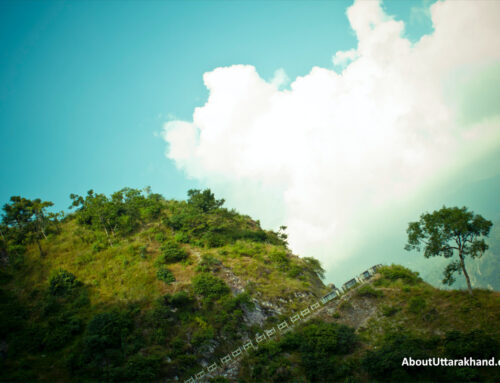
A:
[134, 287]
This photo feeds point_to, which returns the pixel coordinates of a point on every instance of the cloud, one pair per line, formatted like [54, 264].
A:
[332, 153]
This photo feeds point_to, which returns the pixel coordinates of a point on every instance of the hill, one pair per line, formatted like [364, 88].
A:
[133, 287]
[365, 335]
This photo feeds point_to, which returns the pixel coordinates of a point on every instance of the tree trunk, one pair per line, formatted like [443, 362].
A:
[107, 236]
[40, 247]
[462, 263]
[42, 230]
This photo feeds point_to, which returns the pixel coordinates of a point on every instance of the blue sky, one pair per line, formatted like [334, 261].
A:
[85, 85]
[94, 94]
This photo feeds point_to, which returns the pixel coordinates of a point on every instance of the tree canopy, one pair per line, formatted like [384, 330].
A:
[27, 221]
[204, 200]
[448, 231]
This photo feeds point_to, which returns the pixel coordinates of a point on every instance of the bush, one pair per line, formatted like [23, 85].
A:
[280, 258]
[294, 271]
[202, 335]
[165, 275]
[107, 330]
[389, 310]
[475, 344]
[416, 305]
[319, 344]
[61, 331]
[208, 263]
[385, 362]
[315, 266]
[172, 253]
[369, 291]
[179, 300]
[395, 272]
[209, 286]
[63, 282]
[140, 368]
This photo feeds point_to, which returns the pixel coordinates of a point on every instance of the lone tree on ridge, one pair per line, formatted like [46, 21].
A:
[450, 230]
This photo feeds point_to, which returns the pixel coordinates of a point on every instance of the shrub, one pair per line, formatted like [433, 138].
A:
[182, 237]
[165, 275]
[202, 335]
[280, 258]
[61, 331]
[315, 266]
[385, 362]
[475, 344]
[395, 272]
[369, 291]
[389, 310]
[208, 263]
[172, 252]
[106, 330]
[140, 368]
[319, 344]
[416, 305]
[209, 286]
[161, 237]
[214, 239]
[62, 283]
[294, 271]
[179, 300]
[328, 337]
[16, 255]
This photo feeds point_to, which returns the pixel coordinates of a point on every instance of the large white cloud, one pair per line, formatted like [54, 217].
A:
[328, 155]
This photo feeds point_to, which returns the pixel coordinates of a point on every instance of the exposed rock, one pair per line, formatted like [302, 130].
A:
[235, 283]
[255, 316]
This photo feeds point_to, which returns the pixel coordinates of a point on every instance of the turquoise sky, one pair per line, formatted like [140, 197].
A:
[86, 85]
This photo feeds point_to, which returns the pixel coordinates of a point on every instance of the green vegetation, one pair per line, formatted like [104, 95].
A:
[63, 282]
[385, 362]
[314, 352]
[133, 287]
[209, 287]
[165, 275]
[171, 252]
[411, 319]
[448, 230]
[369, 291]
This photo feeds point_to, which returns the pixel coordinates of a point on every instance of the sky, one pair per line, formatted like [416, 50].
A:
[341, 120]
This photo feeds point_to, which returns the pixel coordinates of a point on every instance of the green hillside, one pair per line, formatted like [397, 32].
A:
[365, 335]
[133, 287]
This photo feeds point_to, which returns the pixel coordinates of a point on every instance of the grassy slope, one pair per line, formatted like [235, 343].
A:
[385, 305]
[125, 274]
[419, 308]
[119, 274]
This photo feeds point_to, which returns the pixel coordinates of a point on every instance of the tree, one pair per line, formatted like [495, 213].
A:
[121, 214]
[315, 266]
[28, 219]
[448, 231]
[204, 200]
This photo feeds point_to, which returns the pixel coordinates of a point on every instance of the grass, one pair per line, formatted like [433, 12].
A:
[422, 309]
